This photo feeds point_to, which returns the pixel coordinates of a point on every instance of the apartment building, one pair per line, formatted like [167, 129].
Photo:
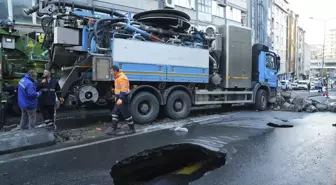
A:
[260, 14]
[300, 52]
[292, 25]
[307, 59]
[329, 54]
[202, 12]
[330, 44]
[278, 31]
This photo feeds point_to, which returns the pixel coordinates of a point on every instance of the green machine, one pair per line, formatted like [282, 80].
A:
[18, 54]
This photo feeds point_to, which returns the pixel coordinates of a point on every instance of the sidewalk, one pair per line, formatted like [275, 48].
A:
[20, 140]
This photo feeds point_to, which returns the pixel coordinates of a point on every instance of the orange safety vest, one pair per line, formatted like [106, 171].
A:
[121, 83]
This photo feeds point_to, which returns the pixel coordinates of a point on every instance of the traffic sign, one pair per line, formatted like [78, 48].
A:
[332, 75]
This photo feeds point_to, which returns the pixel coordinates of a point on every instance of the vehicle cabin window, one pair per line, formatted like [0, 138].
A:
[270, 61]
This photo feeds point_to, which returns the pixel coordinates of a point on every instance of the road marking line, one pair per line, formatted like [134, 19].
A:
[71, 147]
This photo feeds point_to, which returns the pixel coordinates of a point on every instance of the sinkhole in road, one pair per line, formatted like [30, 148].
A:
[174, 164]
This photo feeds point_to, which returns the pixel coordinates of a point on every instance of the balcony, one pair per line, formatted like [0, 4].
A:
[239, 4]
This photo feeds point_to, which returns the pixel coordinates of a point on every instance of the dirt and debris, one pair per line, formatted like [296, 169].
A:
[284, 101]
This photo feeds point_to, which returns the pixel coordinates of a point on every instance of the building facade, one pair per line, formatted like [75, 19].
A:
[292, 25]
[330, 44]
[307, 59]
[329, 55]
[202, 12]
[278, 31]
[300, 51]
[260, 14]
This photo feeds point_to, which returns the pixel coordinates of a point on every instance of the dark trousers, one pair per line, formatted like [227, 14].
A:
[48, 112]
[123, 109]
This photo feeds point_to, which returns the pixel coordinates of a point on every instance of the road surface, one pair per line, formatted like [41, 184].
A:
[256, 153]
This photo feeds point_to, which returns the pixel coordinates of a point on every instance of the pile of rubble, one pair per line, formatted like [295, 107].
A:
[284, 101]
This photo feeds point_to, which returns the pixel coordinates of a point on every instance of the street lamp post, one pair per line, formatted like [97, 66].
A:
[324, 40]
[323, 47]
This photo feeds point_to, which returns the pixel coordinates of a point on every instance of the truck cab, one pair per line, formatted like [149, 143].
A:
[265, 66]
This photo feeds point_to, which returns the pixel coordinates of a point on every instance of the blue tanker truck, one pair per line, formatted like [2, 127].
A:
[170, 64]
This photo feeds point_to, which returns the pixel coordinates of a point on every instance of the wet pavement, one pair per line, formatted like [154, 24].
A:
[304, 154]
[256, 153]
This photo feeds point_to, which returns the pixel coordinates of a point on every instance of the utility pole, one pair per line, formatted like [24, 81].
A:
[323, 47]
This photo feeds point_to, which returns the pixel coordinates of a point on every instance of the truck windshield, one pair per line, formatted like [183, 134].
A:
[270, 63]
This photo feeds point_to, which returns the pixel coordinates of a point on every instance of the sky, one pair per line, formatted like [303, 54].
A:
[319, 9]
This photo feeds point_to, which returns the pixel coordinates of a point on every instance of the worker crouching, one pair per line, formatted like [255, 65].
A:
[121, 90]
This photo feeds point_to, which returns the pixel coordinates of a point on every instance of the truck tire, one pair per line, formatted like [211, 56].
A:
[261, 100]
[144, 108]
[178, 105]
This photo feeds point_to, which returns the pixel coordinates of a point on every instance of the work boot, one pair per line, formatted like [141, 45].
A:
[130, 124]
[112, 128]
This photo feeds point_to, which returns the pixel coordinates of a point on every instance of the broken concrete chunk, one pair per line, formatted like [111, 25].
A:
[311, 109]
[306, 104]
[286, 95]
[321, 107]
[287, 106]
[279, 125]
[298, 101]
[272, 100]
[332, 107]
[296, 108]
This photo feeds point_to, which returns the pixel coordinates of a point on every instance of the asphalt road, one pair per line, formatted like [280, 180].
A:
[256, 153]
[304, 154]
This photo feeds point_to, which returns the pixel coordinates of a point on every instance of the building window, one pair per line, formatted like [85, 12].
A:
[217, 10]
[3, 9]
[233, 14]
[18, 14]
[186, 3]
[204, 9]
[204, 6]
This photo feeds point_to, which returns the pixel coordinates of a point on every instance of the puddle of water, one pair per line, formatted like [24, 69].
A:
[176, 164]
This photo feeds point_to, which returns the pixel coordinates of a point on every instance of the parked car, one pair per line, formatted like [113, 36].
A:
[302, 85]
[284, 84]
[312, 86]
[292, 86]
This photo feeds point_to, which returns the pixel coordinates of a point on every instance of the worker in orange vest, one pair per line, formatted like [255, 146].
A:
[121, 90]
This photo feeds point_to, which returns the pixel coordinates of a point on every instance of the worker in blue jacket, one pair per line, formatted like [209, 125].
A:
[49, 88]
[27, 100]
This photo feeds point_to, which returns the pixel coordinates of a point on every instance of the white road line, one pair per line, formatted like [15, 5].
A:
[70, 148]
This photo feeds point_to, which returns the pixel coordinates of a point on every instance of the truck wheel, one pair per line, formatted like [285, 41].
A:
[178, 105]
[261, 100]
[144, 108]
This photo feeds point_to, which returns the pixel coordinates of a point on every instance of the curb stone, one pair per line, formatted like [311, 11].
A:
[22, 140]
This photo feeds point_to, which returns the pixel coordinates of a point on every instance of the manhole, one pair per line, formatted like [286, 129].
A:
[176, 164]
